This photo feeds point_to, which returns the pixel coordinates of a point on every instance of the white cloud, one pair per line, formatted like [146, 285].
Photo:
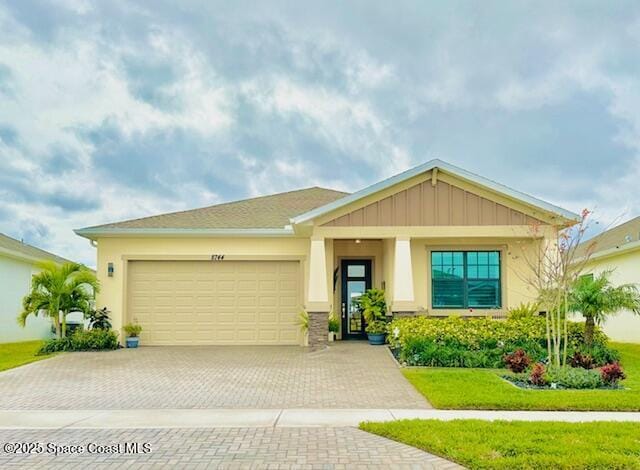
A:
[382, 95]
[341, 121]
[59, 89]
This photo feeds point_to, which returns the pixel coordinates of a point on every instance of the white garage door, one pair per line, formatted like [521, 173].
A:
[225, 302]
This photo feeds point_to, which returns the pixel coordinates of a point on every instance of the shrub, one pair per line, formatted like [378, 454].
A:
[82, 340]
[533, 348]
[523, 310]
[424, 352]
[600, 354]
[94, 340]
[612, 373]
[376, 327]
[568, 377]
[485, 335]
[585, 361]
[517, 361]
[537, 374]
[133, 329]
[55, 345]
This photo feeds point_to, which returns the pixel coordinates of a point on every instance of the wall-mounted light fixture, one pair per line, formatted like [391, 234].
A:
[358, 240]
[110, 269]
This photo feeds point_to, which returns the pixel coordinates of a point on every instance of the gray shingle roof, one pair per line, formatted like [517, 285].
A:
[616, 237]
[264, 212]
[16, 246]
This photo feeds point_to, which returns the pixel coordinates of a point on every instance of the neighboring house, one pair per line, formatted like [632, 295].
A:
[438, 239]
[17, 264]
[618, 250]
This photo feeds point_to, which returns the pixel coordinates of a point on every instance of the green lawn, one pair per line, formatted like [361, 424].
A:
[17, 354]
[520, 445]
[453, 388]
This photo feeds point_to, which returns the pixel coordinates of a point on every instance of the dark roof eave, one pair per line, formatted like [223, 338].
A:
[94, 233]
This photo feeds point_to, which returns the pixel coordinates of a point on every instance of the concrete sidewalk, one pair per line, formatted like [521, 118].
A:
[231, 418]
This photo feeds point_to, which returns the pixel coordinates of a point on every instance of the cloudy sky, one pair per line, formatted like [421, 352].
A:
[111, 110]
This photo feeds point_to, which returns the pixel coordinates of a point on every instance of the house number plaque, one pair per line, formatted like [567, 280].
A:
[217, 257]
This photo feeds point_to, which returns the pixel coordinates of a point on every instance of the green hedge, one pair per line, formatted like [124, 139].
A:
[82, 340]
[481, 342]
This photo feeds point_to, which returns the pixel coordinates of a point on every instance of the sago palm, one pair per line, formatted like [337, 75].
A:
[596, 298]
[58, 290]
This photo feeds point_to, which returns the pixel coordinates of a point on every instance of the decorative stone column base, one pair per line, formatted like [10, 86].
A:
[318, 329]
[404, 309]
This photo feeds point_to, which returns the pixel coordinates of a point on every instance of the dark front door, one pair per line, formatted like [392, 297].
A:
[356, 279]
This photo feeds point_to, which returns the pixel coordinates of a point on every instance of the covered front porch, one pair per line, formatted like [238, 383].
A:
[491, 264]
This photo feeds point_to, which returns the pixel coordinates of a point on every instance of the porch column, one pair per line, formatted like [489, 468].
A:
[403, 296]
[317, 294]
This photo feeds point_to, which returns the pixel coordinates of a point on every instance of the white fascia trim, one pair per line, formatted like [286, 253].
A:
[92, 234]
[615, 251]
[18, 256]
[430, 165]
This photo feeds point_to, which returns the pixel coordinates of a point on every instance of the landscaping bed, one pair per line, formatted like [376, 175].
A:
[484, 342]
[522, 382]
[459, 388]
[82, 340]
[518, 444]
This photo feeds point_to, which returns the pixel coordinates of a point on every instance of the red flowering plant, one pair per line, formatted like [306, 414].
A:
[537, 375]
[584, 361]
[517, 361]
[612, 373]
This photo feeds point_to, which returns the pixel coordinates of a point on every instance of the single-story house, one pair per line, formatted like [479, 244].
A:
[18, 263]
[618, 250]
[438, 239]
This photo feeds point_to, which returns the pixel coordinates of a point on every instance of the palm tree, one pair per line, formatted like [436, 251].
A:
[58, 290]
[596, 298]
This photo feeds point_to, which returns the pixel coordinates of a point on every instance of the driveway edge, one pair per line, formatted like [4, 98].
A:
[242, 418]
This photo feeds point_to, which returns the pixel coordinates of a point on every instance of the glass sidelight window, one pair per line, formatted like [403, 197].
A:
[466, 279]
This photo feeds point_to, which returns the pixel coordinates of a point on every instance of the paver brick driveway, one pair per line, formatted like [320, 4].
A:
[279, 448]
[346, 375]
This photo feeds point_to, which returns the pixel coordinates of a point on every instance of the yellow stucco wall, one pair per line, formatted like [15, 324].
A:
[624, 326]
[119, 250]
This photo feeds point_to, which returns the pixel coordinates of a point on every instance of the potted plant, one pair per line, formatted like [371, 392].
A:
[334, 326]
[133, 332]
[376, 332]
[373, 307]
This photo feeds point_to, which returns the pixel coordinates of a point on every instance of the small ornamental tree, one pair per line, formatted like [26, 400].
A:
[553, 266]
